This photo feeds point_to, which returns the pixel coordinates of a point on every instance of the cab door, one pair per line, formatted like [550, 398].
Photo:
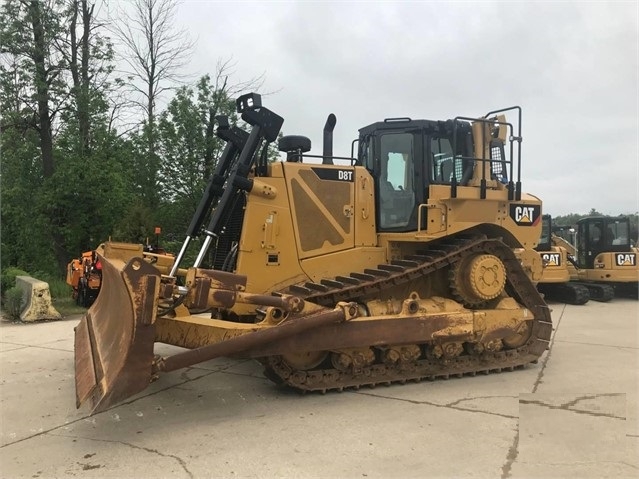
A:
[590, 242]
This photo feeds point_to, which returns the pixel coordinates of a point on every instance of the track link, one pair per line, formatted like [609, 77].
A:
[371, 282]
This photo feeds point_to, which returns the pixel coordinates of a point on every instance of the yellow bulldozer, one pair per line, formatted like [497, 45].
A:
[411, 259]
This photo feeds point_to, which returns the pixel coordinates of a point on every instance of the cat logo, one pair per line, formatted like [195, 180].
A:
[626, 259]
[551, 259]
[525, 215]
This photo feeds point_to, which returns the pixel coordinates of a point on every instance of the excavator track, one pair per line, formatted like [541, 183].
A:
[569, 293]
[421, 364]
[599, 292]
[627, 290]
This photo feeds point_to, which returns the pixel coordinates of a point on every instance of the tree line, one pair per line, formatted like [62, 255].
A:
[85, 152]
[571, 219]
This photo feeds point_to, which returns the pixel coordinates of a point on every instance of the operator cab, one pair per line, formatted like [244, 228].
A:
[406, 156]
[597, 235]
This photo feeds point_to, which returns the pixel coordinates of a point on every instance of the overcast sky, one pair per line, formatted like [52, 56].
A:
[572, 67]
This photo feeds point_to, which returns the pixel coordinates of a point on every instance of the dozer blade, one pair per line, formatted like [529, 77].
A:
[114, 340]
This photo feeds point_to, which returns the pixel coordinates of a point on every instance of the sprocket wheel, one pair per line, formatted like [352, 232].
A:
[478, 278]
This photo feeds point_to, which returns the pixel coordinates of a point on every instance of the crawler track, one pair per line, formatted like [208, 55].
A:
[569, 293]
[368, 284]
[599, 291]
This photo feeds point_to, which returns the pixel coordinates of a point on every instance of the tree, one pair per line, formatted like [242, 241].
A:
[28, 30]
[53, 84]
[69, 180]
[90, 62]
[187, 144]
[157, 56]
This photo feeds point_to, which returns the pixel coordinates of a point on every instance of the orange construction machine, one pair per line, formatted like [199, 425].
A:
[84, 275]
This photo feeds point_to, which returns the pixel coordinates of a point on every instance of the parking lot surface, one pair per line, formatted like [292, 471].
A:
[574, 414]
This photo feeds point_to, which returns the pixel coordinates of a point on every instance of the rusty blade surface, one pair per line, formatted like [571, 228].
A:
[85, 380]
[114, 340]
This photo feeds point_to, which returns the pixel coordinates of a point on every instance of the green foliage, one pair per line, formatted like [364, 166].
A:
[18, 70]
[136, 225]
[13, 302]
[99, 182]
[87, 194]
[8, 278]
[25, 239]
[67, 306]
[174, 246]
[46, 220]
[187, 144]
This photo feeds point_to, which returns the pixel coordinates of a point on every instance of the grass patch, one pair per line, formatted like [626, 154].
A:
[59, 288]
[67, 306]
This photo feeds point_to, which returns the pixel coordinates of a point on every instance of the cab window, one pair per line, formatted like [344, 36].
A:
[442, 160]
[396, 181]
[617, 234]
[545, 233]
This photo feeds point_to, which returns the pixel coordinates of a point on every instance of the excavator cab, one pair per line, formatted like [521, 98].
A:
[597, 235]
[606, 261]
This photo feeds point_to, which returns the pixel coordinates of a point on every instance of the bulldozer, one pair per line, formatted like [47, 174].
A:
[605, 258]
[555, 283]
[411, 259]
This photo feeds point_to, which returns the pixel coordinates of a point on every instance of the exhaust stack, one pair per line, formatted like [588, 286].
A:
[328, 139]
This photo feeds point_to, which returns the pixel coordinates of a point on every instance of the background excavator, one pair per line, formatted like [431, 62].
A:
[605, 259]
[555, 283]
[411, 260]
